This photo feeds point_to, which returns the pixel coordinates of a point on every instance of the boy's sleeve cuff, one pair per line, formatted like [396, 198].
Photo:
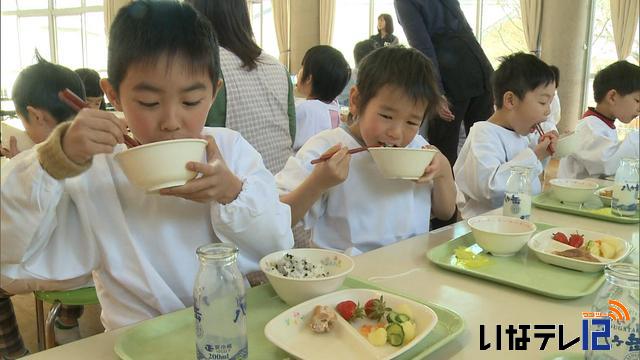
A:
[53, 159]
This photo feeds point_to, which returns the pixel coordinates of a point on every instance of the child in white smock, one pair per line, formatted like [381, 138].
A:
[616, 90]
[323, 75]
[68, 210]
[346, 200]
[523, 88]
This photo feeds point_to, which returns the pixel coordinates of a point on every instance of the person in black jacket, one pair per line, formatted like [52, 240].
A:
[439, 29]
[385, 36]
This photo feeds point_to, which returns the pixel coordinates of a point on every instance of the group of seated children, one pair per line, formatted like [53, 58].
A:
[68, 210]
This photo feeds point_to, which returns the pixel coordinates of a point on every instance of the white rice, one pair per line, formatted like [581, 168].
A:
[298, 268]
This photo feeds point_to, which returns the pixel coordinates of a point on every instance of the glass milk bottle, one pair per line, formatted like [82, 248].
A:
[618, 298]
[517, 197]
[219, 305]
[625, 189]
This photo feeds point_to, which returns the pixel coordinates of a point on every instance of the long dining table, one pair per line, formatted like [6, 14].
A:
[403, 268]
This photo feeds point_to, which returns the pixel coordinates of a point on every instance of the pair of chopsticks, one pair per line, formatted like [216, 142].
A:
[76, 103]
[541, 132]
[328, 156]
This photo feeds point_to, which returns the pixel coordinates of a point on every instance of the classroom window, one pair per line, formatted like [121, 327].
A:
[502, 32]
[66, 32]
[264, 29]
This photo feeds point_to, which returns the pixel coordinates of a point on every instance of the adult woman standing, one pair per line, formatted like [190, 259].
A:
[385, 36]
[256, 98]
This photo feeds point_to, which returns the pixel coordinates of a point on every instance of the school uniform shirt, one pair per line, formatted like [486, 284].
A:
[364, 212]
[599, 153]
[312, 117]
[484, 165]
[139, 246]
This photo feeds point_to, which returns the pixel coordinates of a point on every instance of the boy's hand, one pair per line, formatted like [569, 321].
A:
[334, 171]
[92, 132]
[542, 149]
[443, 110]
[553, 136]
[217, 182]
[438, 167]
[12, 150]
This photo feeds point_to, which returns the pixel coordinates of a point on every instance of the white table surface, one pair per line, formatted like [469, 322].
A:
[403, 267]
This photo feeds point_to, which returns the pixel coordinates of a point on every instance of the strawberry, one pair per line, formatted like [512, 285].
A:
[576, 240]
[376, 308]
[561, 237]
[349, 310]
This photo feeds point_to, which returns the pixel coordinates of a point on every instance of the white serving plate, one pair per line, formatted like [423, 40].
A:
[543, 246]
[14, 127]
[290, 330]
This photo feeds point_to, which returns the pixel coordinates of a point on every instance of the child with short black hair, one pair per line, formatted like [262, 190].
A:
[323, 75]
[616, 90]
[523, 88]
[91, 80]
[68, 209]
[346, 201]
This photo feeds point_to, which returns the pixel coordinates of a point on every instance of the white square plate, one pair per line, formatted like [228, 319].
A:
[543, 246]
[290, 330]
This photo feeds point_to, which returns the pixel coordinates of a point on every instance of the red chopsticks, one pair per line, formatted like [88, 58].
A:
[328, 156]
[76, 103]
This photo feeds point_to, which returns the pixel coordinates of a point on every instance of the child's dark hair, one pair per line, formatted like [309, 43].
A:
[144, 30]
[407, 69]
[329, 72]
[38, 86]
[362, 49]
[91, 80]
[388, 23]
[621, 76]
[556, 74]
[520, 73]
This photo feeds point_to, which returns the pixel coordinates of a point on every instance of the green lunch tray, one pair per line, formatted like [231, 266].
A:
[172, 336]
[592, 208]
[522, 270]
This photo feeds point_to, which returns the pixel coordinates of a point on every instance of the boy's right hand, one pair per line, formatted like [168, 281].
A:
[92, 132]
[542, 148]
[334, 171]
[12, 150]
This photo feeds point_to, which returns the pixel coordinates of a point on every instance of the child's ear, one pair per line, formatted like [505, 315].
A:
[111, 93]
[354, 96]
[217, 88]
[610, 96]
[509, 100]
[35, 116]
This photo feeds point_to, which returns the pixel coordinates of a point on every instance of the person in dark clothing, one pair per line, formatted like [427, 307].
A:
[439, 29]
[385, 36]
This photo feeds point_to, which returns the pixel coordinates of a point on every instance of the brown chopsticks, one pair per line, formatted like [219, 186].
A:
[76, 103]
[326, 157]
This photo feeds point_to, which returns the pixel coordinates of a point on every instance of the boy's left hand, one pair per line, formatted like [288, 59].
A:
[438, 167]
[217, 182]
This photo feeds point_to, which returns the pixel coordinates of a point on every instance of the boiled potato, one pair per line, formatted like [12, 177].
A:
[404, 309]
[409, 328]
[378, 337]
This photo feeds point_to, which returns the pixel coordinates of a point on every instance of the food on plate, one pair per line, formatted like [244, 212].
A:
[323, 319]
[603, 248]
[297, 267]
[578, 254]
[349, 310]
[366, 329]
[606, 193]
[576, 240]
[375, 308]
[378, 337]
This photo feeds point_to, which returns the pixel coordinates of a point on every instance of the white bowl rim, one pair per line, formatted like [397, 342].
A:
[560, 183]
[628, 248]
[156, 143]
[327, 251]
[376, 148]
[532, 226]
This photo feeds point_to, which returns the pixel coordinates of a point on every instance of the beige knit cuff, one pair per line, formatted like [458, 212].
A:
[53, 159]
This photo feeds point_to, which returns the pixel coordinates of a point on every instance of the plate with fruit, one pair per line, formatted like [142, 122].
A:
[576, 249]
[351, 324]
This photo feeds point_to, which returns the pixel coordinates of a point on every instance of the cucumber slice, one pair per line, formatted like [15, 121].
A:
[395, 334]
[391, 317]
[400, 318]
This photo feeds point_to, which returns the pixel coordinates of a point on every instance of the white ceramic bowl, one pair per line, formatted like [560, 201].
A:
[544, 247]
[501, 235]
[402, 163]
[161, 164]
[573, 190]
[567, 145]
[296, 290]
